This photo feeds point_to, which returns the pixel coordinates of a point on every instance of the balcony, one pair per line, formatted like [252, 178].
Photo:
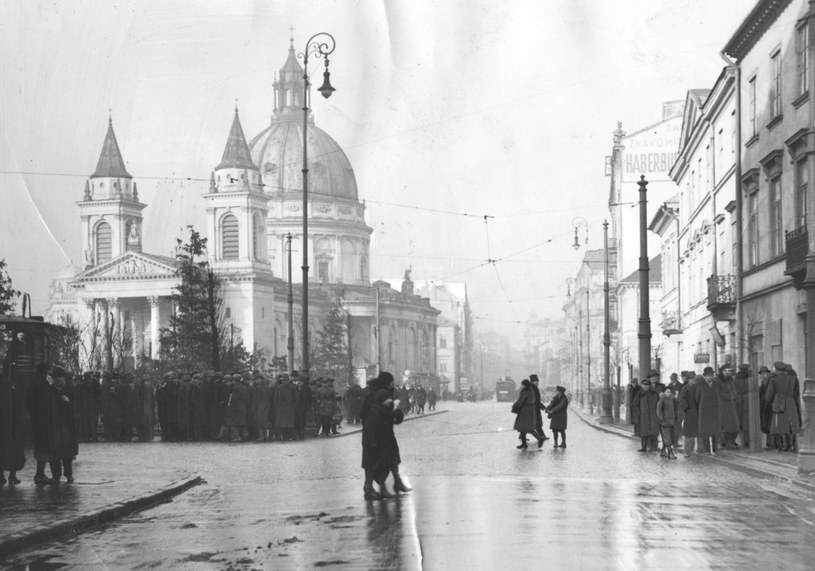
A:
[721, 297]
[797, 243]
[671, 323]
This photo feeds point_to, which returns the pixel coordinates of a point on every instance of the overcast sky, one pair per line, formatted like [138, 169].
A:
[446, 108]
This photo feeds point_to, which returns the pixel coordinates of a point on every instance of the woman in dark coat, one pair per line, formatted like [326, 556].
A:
[524, 408]
[556, 411]
[380, 451]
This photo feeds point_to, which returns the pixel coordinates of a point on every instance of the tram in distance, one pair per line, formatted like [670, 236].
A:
[505, 390]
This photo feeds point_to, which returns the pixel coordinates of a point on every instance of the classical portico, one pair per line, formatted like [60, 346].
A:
[133, 294]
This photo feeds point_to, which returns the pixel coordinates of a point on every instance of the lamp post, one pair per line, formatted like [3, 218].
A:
[290, 340]
[605, 399]
[317, 45]
[644, 322]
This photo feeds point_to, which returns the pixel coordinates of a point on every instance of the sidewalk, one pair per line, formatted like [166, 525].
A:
[766, 463]
[108, 486]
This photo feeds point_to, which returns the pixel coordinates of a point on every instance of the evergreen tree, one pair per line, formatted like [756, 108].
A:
[8, 295]
[330, 353]
[194, 338]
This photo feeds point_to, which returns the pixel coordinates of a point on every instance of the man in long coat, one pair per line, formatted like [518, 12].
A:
[707, 400]
[12, 454]
[558, 419]
[782, 394]
[649, 423]
[742, 384]
[688, 405]
[729, 417]
[286, 401]
[765, 410]
[261, 406]
[633, 401]
[539, 406]
[237, 409]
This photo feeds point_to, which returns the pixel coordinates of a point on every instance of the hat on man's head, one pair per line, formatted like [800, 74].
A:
[674, 376]
[780, 365]
[763, 369]
[744, 367]
[57, 371]
[385, 378]
[645, 382]
[708, 371]
[534, 378]
[561, 389]
[653, 373]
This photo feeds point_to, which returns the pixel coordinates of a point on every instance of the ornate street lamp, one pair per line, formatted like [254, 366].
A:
[319, 45]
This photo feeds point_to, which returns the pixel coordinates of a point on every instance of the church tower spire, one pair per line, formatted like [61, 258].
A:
[288, 88]
[110, 209]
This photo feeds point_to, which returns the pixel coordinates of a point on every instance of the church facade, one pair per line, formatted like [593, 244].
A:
[120, 296]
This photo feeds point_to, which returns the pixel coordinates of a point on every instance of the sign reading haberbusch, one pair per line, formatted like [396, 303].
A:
[651, 151]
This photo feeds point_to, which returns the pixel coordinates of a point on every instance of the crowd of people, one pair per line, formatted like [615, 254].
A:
[65, 410]
[711, 411]
[529, 410]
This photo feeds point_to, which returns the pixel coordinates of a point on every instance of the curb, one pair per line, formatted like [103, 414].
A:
[731, 462]
[91, 519]
[407, 418]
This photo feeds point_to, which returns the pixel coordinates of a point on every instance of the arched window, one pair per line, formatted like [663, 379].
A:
[229, 237]
[104, 243]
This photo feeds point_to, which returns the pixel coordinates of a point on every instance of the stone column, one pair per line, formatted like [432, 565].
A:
[113, 335]
[155, 322]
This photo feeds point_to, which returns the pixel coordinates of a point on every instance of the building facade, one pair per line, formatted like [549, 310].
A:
[773, 52]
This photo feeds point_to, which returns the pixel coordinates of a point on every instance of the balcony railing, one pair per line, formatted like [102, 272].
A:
[797, 242]
[721, 292]
[671, 322]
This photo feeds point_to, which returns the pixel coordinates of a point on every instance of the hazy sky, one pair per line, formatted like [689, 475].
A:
[444, 108]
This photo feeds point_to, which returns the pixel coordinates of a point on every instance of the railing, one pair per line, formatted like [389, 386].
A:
[797, 242]
[671, 322]
[721, 290]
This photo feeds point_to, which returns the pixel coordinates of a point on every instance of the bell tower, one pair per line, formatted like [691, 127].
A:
[110, 209]
[288, 89]
[237, 208]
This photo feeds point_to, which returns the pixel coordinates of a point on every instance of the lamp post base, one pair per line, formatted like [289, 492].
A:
[806, 441]
[605, 407]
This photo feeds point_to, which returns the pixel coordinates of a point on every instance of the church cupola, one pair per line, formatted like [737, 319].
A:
[236, 207]
[288, 88]
[110, 208]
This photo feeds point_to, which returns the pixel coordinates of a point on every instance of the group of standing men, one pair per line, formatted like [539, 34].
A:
[712, 410]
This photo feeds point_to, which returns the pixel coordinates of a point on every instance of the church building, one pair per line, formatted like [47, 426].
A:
[120, 296]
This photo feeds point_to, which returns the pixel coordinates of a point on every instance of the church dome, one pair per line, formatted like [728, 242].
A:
[278, 153]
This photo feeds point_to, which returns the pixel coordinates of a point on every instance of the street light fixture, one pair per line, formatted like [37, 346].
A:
[320, 45]
[580, 222]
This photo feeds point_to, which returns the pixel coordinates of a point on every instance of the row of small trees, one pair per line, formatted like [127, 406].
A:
[197, 338]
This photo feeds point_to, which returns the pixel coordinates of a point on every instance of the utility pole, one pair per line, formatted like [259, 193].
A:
[290, 340]
[644, 322]
[605, 400]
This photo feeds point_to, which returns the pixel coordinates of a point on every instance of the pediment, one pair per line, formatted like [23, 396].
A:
[132, 265]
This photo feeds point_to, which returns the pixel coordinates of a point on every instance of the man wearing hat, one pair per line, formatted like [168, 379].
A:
[707, 399]
[765, 411]
[556, 411]
[783, 396]
[742, 383]
[690, 415]
[728, 414]
[649, 423]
